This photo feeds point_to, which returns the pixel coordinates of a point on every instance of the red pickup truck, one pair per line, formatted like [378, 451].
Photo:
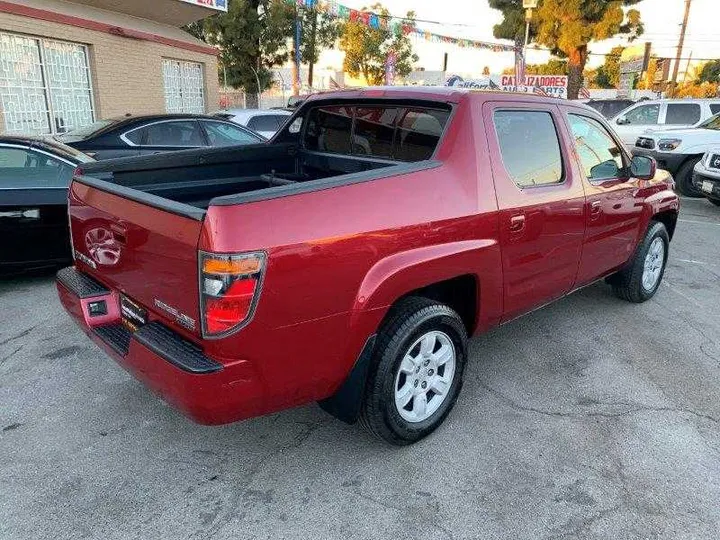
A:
[348, 260]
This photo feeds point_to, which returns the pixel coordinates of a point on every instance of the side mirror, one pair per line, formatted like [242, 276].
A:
[643, 167]
[622, 121]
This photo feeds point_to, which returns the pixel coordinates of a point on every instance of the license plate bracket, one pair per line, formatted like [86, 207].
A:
[133, 314]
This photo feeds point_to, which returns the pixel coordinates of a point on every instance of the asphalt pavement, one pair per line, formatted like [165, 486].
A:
[591, 418]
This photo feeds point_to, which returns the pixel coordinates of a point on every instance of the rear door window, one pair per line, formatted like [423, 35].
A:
[529, 146]
[715, 108]
[682, 114]
[644, 115]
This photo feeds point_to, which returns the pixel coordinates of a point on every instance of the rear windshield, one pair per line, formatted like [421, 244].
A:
[84, 132]
[401, 133]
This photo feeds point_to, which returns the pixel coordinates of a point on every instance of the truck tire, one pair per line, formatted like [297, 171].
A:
[684, 178]
[416, 371]
[640, 279]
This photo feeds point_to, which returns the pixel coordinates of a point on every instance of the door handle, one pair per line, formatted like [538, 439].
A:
[595, 208]
[517, 223]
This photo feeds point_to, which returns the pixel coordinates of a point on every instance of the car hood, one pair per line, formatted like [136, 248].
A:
[681, 133]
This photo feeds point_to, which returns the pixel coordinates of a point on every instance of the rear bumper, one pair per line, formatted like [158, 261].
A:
[206, 390]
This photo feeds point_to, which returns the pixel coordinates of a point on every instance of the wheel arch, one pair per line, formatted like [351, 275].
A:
[443, 272]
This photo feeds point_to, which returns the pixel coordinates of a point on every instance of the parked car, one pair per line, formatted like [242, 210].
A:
[679, 150]
[271, 276]
[706, 175]
[34, 178]
[266, 122]
[153, 134]
[658, 114]
[610, 108]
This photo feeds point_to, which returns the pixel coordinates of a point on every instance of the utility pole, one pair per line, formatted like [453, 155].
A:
[676, 67]
[296, 55]
[311, 44]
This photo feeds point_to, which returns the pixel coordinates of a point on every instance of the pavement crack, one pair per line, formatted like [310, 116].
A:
[4, 358]
[18, 336]
[705, 338]
[575, 526]
[389, 506]
[629, 408]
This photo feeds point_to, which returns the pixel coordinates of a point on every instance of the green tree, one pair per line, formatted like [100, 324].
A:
[252, 37]
[567, 27]
[552, 67]
[608, 75]
[319, 31]
[710, 72]
[366, 49]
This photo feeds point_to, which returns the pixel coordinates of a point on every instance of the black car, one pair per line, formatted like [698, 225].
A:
[609, 108]
[153, 134]
[34, 178]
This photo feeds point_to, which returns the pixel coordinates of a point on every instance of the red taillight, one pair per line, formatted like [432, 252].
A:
[229, 290]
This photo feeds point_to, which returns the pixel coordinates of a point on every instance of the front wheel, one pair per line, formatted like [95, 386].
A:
[640, 279]
[417, 370]
[684, 179]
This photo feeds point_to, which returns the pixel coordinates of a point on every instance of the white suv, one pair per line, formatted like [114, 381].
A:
[662, 114]
[679, 150]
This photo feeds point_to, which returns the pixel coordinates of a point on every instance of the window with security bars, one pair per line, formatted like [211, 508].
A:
[45, 85]
[184, 84]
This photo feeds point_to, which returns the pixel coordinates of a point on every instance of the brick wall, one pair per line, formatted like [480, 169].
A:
[127, 73]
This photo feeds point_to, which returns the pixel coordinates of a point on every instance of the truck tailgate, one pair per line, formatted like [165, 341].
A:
[146, 253]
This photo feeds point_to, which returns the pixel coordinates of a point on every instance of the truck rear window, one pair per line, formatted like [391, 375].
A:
[387, 132]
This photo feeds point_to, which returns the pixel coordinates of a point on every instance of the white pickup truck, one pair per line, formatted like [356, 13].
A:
[680, 150]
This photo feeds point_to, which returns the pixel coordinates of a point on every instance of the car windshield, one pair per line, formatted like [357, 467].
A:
[711, 123]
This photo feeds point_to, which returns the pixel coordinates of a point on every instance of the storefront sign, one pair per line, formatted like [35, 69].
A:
[220, 5]
[544, 85]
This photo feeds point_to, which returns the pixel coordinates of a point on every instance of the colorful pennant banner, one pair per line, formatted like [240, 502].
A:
[395, 24]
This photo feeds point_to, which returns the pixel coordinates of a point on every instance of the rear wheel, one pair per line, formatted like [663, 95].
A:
[640, 279]
[684, 178]
[416, 373]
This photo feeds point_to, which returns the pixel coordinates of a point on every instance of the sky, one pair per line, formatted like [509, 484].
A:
[474, 19]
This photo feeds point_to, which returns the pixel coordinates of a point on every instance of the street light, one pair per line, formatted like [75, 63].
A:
[528, 5]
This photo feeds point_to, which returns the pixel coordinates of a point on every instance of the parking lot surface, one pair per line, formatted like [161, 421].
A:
[591, 418]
